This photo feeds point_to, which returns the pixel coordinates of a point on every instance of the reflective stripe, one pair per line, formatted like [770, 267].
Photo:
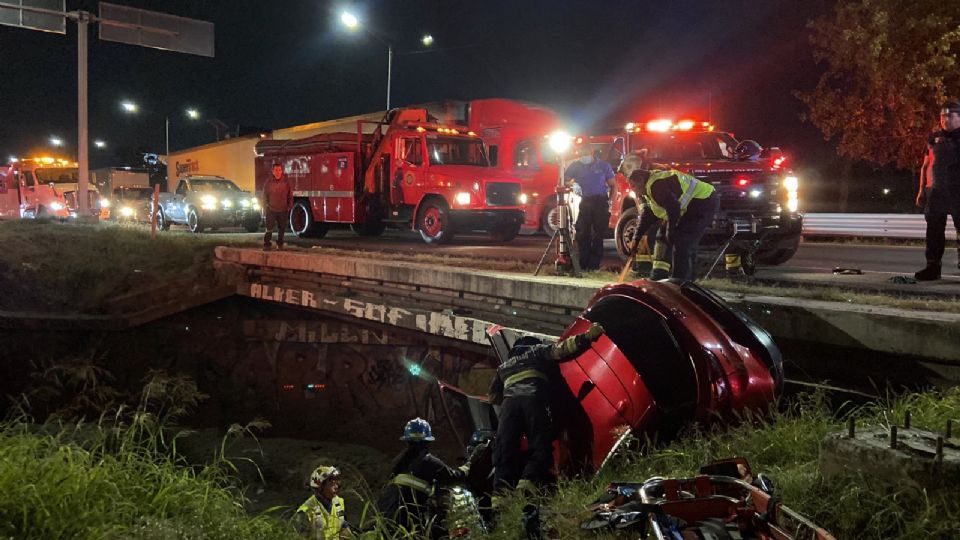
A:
[412, 482]
[525, 374]
[688, 194]
[323, 194]
[661, 265]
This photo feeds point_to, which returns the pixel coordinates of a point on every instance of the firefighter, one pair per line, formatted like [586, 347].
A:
[277, 198]
[686, 204]
[941, 170]
[522, 388]
[408, 497]
[322, 516]
[595, 177]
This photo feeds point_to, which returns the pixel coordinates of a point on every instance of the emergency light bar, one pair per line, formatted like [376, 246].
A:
[663, 125]
[420, 127]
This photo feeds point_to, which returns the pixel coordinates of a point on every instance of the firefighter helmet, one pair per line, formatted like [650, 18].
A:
[417, 429]
[748, 150]
[524, 344]
[322, 474]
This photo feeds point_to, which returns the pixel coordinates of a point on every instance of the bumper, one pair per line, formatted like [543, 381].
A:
[775, 232]
[229, 217]
[484, 220]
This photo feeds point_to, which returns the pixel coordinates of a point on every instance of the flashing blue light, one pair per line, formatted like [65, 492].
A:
[414, 369]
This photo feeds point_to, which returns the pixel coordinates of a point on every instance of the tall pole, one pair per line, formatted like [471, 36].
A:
[166, 120]
[389, 72]
[82, 134]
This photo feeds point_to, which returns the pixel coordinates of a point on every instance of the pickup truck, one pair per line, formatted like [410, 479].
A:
[201, 202]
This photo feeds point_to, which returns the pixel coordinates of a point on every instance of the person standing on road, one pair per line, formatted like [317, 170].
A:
[941, 173]
[596, 179]
[522, 387]
[277, 200]
[321, 517]
[688, 205]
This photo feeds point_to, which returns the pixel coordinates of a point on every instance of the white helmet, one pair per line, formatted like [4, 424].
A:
[322, 474]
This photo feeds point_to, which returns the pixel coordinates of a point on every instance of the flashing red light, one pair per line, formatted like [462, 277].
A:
[685, 125]
[659, 125]
[288, 387]
[778, 162]
[743, 181]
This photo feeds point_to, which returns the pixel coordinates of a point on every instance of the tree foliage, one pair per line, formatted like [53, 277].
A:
[889, 64]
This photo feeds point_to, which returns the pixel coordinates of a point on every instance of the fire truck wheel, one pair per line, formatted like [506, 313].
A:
[549, 216]
[779, 256]
[302, 223]
[433, 222]
[505, 232]
[193, 221]
[162, 222]
[626, 228]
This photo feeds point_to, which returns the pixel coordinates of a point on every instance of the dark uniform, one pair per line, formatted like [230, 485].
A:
[523, 383]
[943, 198]
[593, 218]
[407, 497]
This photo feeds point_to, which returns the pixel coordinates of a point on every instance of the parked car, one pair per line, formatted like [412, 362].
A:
[671, 354]
[202, 202]
[131, 204]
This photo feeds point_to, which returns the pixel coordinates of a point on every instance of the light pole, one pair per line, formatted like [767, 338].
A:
[132, 108]
[566, 261]
[352, 22]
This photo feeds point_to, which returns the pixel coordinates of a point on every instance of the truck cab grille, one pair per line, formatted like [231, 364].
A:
[502, 194]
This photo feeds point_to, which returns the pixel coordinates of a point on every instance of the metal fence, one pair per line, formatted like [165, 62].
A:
[866, 225]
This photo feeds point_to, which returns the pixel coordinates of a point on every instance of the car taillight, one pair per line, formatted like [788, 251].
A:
[743, 181]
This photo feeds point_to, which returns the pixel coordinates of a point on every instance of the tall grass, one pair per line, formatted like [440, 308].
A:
[121, 477]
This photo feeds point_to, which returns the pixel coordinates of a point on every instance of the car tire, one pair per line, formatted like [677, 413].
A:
[193, 221]
[779, 256]
[162, 223]
[433, 222]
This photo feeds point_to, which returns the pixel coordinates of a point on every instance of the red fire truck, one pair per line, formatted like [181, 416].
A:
[515, 134]
[406, 171]
[27, 189]
[758, 191]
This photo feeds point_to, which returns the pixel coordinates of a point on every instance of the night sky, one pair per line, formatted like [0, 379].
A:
[278, 64]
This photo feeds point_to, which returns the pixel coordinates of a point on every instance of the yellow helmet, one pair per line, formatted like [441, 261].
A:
[322, 474]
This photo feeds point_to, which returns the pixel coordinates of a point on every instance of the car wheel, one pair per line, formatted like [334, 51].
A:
[779, 256]
[162, 222]
[193, 221]
[433, 222]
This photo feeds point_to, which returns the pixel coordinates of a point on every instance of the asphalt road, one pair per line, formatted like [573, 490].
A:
[811, 258]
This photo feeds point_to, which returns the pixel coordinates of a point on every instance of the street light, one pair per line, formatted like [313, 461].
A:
[560, 141]
[427, 40]
[100, 144]
[56, 141]
[133, 108]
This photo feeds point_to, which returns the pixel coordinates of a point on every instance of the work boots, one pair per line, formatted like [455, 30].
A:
[930, 273]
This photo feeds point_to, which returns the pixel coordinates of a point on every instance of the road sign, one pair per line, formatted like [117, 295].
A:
[156, 30]
[43, 15]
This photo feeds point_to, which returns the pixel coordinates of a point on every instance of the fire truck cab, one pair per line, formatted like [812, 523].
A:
[406, 171]
[515, 134]
[28, 189]
[758, 191]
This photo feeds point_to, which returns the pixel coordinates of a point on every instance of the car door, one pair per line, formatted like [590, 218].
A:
[408, 178]
[176, 207]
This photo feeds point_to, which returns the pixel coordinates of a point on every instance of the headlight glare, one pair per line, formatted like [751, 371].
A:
[463, 198]
[208, 202]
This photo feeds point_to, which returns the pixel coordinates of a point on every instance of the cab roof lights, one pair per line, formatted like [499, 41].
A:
[422, 127]
[663, 125]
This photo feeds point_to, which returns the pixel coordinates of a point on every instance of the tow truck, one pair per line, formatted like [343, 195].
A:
[28, 189]
[405, 171]
[759, 193]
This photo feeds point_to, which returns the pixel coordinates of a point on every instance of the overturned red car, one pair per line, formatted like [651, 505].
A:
[673, 353]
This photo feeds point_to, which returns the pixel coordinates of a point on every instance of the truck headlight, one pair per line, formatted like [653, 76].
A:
[791, 183]
[255, 203]
[126, 211]
[463, 198]
[523, 198]
[104, 203]
[227, 203]
[793, 203]
[208, 202]
[55, 206]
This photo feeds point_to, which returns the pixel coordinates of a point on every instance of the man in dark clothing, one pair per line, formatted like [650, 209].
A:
[277, 199]
[416, 473]
[596, 179]
[685, 204]
[523, 384]
[941, 171]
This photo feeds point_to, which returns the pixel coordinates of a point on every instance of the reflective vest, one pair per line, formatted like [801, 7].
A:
[521, 368]
[690, 186]
[413, 482]
[324, 525]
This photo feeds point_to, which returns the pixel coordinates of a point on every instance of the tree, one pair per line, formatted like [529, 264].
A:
[889, 64]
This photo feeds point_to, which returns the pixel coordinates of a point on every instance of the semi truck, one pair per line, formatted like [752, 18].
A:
[41, 187]
[405, 171]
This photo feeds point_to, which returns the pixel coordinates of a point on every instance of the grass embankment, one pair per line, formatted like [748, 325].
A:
[52, 267]
[786, 448]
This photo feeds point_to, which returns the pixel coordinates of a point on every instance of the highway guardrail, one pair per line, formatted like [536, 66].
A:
[866, 225]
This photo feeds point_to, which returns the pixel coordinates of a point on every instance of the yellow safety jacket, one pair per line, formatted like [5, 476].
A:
[324, 525]
[691, 187]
